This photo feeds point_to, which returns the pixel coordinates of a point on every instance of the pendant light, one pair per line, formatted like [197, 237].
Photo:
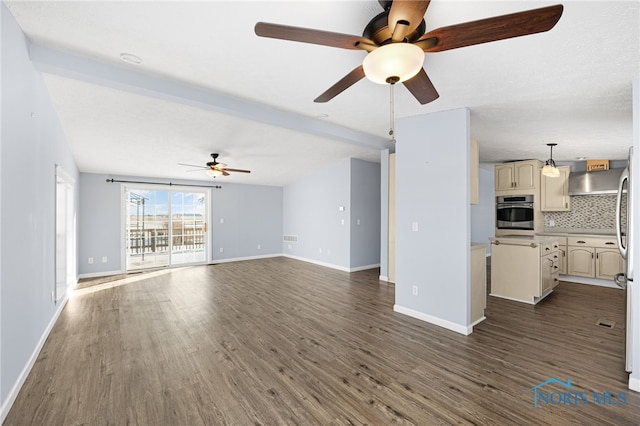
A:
[550, 168]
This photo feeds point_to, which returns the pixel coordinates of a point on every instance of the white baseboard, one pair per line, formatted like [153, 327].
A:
[634, 384]
[383, 278]
[331, 265]
[590, 281]
[100, 274]
[434, 320]
[240, 259]
[13, 393]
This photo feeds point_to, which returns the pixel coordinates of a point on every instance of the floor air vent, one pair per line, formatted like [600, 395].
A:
[290, 238]
[605, 323]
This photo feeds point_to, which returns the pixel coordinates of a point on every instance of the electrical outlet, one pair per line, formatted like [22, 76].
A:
[357, 221]
[328, 251]
[414, 226]
[320, 250]
[342, 221]
[414, 290]
[290, 246]
[53, 296]
[90, 260]
[552, 222]
[259, 247]
[104, 259]
[221, 220]
[221, 250]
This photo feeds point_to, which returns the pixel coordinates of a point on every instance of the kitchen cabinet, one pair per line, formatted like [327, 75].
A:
[594, 257]
[518, 175]
[581, 261]
[554, 191]
[523, 268]
[608, 263]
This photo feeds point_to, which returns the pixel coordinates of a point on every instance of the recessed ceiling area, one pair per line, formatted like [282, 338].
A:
[251, 98]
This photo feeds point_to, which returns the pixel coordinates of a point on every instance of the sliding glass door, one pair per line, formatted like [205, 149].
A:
[165, 228]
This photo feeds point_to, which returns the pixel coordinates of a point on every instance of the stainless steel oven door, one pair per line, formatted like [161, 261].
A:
[514, 216]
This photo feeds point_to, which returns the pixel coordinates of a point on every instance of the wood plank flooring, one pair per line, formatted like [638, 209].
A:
[279, 341]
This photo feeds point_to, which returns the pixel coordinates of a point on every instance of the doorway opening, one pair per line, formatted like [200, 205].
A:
[165, 228]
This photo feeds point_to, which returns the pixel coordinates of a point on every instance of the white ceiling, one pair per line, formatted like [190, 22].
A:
[209, 84]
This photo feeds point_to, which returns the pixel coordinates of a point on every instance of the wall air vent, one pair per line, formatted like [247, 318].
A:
[290, 238]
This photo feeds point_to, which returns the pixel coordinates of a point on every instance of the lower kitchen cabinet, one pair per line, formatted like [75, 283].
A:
[581, 261]
[608, 263]
[594, 257]
[524, 269]
[562, 253]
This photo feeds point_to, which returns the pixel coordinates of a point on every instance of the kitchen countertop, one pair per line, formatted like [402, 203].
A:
[539, 239]
[564, 232]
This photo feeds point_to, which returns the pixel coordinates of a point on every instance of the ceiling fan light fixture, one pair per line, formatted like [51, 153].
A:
[214, 172]
[550, 168]
[393, 63]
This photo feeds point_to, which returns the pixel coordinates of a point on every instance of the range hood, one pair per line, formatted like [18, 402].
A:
[594, 183]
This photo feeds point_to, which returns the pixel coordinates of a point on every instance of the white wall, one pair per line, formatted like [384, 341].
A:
[432, 190]
[32, 143]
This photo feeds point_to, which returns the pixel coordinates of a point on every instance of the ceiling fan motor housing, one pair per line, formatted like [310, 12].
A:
[378, 31]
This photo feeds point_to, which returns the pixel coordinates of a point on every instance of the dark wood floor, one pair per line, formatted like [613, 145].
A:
[279, 341]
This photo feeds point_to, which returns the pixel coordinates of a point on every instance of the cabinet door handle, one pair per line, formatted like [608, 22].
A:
[597, 255]
[592, 255]
[547, 248]
[555, 257]
[581, 242]
[609, 243]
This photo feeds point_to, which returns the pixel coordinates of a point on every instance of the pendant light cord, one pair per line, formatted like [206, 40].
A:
[391, 114]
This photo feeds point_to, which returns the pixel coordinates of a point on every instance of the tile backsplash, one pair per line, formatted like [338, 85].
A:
[588, 212]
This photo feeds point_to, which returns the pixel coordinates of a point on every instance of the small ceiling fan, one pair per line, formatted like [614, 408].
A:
[214, 169]
[396, 42]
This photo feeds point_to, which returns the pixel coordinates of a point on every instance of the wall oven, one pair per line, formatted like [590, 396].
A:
[514, 212]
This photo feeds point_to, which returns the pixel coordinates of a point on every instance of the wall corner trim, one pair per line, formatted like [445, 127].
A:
[634, 384]
[461, 329]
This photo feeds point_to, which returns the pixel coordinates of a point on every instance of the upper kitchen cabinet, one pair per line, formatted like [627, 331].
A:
[518, 176]
[555, 191]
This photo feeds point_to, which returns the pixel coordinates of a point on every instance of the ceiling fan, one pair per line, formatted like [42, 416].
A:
[214, 169]
[396, 42]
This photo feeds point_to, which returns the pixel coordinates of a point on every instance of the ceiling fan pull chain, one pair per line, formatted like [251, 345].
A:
[391, 114]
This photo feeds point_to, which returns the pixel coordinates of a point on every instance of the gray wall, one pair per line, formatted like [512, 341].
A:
[252, 215]
[483, 214]
[311, 211]
[32, 143]
[432, 189]
[326, 234]
[365, 214]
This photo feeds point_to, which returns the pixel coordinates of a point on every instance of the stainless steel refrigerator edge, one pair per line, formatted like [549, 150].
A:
[625, 243]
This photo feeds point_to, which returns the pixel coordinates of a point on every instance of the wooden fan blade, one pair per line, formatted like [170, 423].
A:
[224, 173]
[308, 35]
[492, 29]
[347, 81]
[235, 170]
[421, 88]
[405, 16]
